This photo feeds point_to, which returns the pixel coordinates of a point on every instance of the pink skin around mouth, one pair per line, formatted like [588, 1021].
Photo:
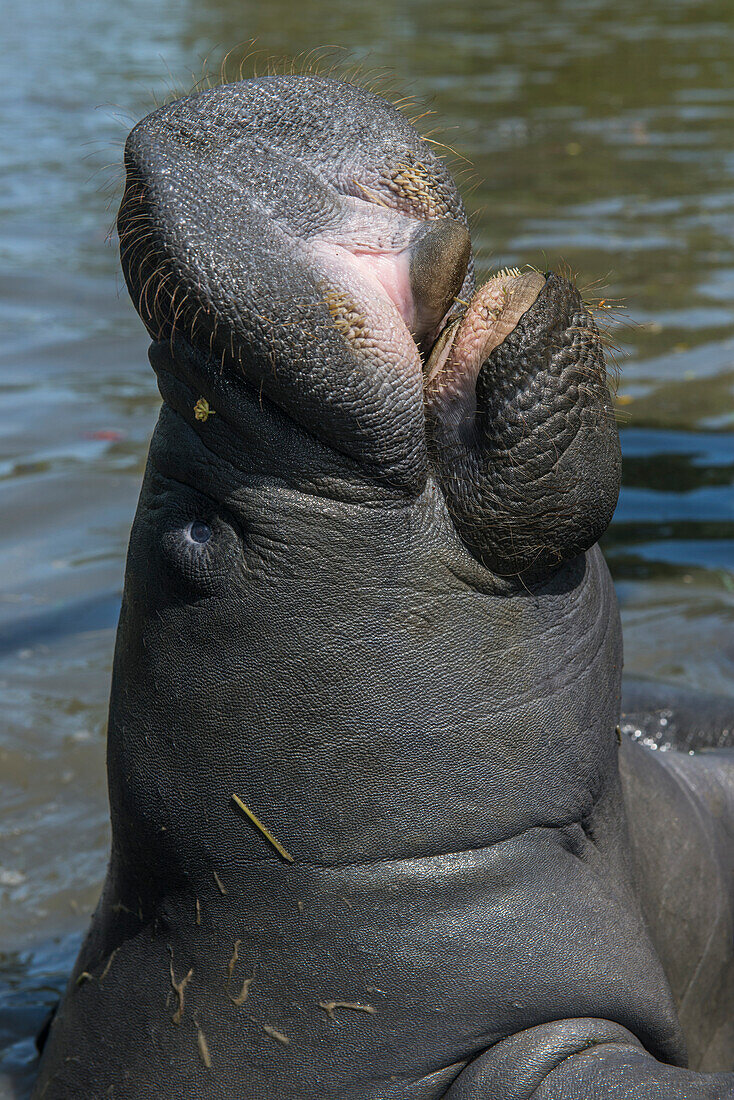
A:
[386, 273]
[392, 273]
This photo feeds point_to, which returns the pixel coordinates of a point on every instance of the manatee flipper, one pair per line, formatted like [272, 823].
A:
[680, 815]
[575, 1059]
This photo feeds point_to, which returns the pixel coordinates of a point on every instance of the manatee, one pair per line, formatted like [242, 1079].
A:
[375, 831]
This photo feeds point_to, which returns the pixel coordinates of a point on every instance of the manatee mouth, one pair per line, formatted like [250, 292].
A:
[462, 346]
[424, 278]
[423, 281]
[455, 337]
[466, 343]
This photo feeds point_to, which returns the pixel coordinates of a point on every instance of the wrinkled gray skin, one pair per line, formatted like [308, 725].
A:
[390, 633]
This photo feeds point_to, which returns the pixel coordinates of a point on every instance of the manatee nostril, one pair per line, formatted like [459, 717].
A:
[439, 258]
[199, 531]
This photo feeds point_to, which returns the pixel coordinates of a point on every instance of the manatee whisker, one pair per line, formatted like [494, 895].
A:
[370, 194]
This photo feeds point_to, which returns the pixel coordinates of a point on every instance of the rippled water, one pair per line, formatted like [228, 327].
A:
[596, 134]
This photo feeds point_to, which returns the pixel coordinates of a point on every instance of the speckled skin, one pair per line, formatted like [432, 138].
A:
[477, 894]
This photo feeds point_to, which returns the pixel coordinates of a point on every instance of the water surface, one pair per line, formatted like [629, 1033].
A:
[596, 135]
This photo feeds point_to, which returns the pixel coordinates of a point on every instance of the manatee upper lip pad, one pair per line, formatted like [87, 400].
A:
[423, 280]
[377, 239]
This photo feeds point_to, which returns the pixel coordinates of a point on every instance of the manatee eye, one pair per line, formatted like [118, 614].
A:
[199, 531]
[196, 542]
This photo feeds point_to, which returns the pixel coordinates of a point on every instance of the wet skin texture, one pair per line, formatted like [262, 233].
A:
[363, 594]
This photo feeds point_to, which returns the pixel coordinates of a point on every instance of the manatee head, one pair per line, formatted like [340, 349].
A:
[301, 260]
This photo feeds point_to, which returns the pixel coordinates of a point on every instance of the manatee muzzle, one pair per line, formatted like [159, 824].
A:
[307, 242]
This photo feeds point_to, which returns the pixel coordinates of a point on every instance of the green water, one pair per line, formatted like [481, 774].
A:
[590, 134]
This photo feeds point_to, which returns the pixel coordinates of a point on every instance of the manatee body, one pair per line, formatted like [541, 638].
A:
[375, 831]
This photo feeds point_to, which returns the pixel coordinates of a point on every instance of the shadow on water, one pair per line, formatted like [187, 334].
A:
[597, 135]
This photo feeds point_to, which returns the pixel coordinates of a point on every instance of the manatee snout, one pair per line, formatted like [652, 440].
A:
[332, 276]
